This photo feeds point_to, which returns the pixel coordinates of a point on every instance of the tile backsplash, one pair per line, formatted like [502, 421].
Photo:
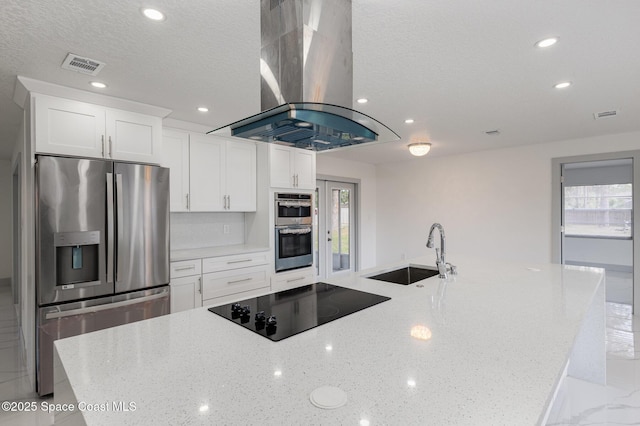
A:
[197, 230]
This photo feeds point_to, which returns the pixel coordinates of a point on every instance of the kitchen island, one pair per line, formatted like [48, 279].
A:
[501, 338]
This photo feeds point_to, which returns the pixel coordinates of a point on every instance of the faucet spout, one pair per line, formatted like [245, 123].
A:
[441, 261]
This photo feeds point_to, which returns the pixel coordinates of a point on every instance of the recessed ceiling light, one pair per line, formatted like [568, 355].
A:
[547, 42]
[153, 14]
[562, 85]
[303, 124]
[98, 85]
[409, 120]
[362, 100]
[203, 109]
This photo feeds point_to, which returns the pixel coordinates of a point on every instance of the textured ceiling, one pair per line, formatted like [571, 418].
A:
[458, 68]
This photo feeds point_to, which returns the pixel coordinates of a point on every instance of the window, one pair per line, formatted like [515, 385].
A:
[598, 210]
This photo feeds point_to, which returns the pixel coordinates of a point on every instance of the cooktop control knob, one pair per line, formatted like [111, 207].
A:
[246, 310]
[260, 317]
[271, 321]
[236, 307]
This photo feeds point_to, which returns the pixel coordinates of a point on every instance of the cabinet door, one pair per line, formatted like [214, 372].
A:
[186, 293]
[206, 173]
[305, 169]
[133, 137]
[68, 127]
[175, 156]
[241, 176]
[281, 166]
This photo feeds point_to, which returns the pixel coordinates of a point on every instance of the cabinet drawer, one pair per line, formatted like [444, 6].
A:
[235, 281]
[225, 263]
[186, 268]
[292, 279]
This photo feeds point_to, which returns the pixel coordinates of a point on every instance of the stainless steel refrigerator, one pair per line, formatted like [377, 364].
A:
[102, 249]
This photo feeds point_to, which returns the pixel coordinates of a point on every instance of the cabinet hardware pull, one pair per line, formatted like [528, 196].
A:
[184, 268]
[187, 201]
[102, 138]
[229, 202]
[200, 285]
[295, 279]
[110, 153]
[238, 261]
[239, 281]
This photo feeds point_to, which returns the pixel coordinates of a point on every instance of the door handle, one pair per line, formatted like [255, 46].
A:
[329, 239]
[110, 250]
[120, 224]
[98, 308]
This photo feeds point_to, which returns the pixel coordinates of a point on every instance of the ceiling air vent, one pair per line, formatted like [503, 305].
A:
[605, 114]
[82, 65]
[492, 132]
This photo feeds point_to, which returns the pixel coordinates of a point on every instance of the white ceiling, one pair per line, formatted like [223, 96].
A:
[457, 67]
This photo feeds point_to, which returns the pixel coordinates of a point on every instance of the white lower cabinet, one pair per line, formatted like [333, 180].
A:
[218, 280]
[292, 279]
[186, 285]
[237, 283]
[186, 293]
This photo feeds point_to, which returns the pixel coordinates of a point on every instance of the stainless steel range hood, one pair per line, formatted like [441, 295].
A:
[306, 69]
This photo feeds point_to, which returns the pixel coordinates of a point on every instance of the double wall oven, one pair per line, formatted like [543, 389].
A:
[293, 231]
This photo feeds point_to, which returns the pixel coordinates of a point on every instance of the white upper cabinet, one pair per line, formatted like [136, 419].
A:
[292, 167]
[305, 169]
[210, 174]
[207, 174]
[133, 137]
[175, 155]
[241, 176]
[67, 127]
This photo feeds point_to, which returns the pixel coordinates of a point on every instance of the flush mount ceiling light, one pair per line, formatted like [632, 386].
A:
[409, 120]
[153, 14]
[98, 85]
[203, 109]
[547, 42]
[362, 100]
[563, 85]
[419, 149]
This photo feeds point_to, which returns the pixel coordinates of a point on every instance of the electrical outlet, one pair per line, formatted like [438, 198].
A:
[225, 229]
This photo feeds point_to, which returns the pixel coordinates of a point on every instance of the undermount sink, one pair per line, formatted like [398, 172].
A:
[405, 276]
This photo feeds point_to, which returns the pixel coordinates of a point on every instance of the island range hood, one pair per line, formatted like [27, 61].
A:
[306, 69]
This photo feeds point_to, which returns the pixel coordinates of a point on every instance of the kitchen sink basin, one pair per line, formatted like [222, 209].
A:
[405, 276]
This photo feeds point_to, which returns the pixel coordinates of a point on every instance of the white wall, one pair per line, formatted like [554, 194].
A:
[197, 230]
[492, 203]
[367, 217]
[6, 202]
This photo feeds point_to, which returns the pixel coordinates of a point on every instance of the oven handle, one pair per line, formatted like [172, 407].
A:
[98, 308]
[299, 231]
[294, 203]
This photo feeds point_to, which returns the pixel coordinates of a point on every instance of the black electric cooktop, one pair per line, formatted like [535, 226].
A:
[286, 313]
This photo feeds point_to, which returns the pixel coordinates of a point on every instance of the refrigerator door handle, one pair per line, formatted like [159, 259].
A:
[103, 307]
[110, 250]
[120, 225]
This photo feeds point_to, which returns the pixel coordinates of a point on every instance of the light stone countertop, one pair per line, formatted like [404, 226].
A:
[501, 337]
[204, 252]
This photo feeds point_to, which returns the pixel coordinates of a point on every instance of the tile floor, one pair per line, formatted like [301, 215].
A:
[617, 403]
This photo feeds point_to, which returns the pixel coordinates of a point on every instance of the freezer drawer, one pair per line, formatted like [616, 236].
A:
[72, 319]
